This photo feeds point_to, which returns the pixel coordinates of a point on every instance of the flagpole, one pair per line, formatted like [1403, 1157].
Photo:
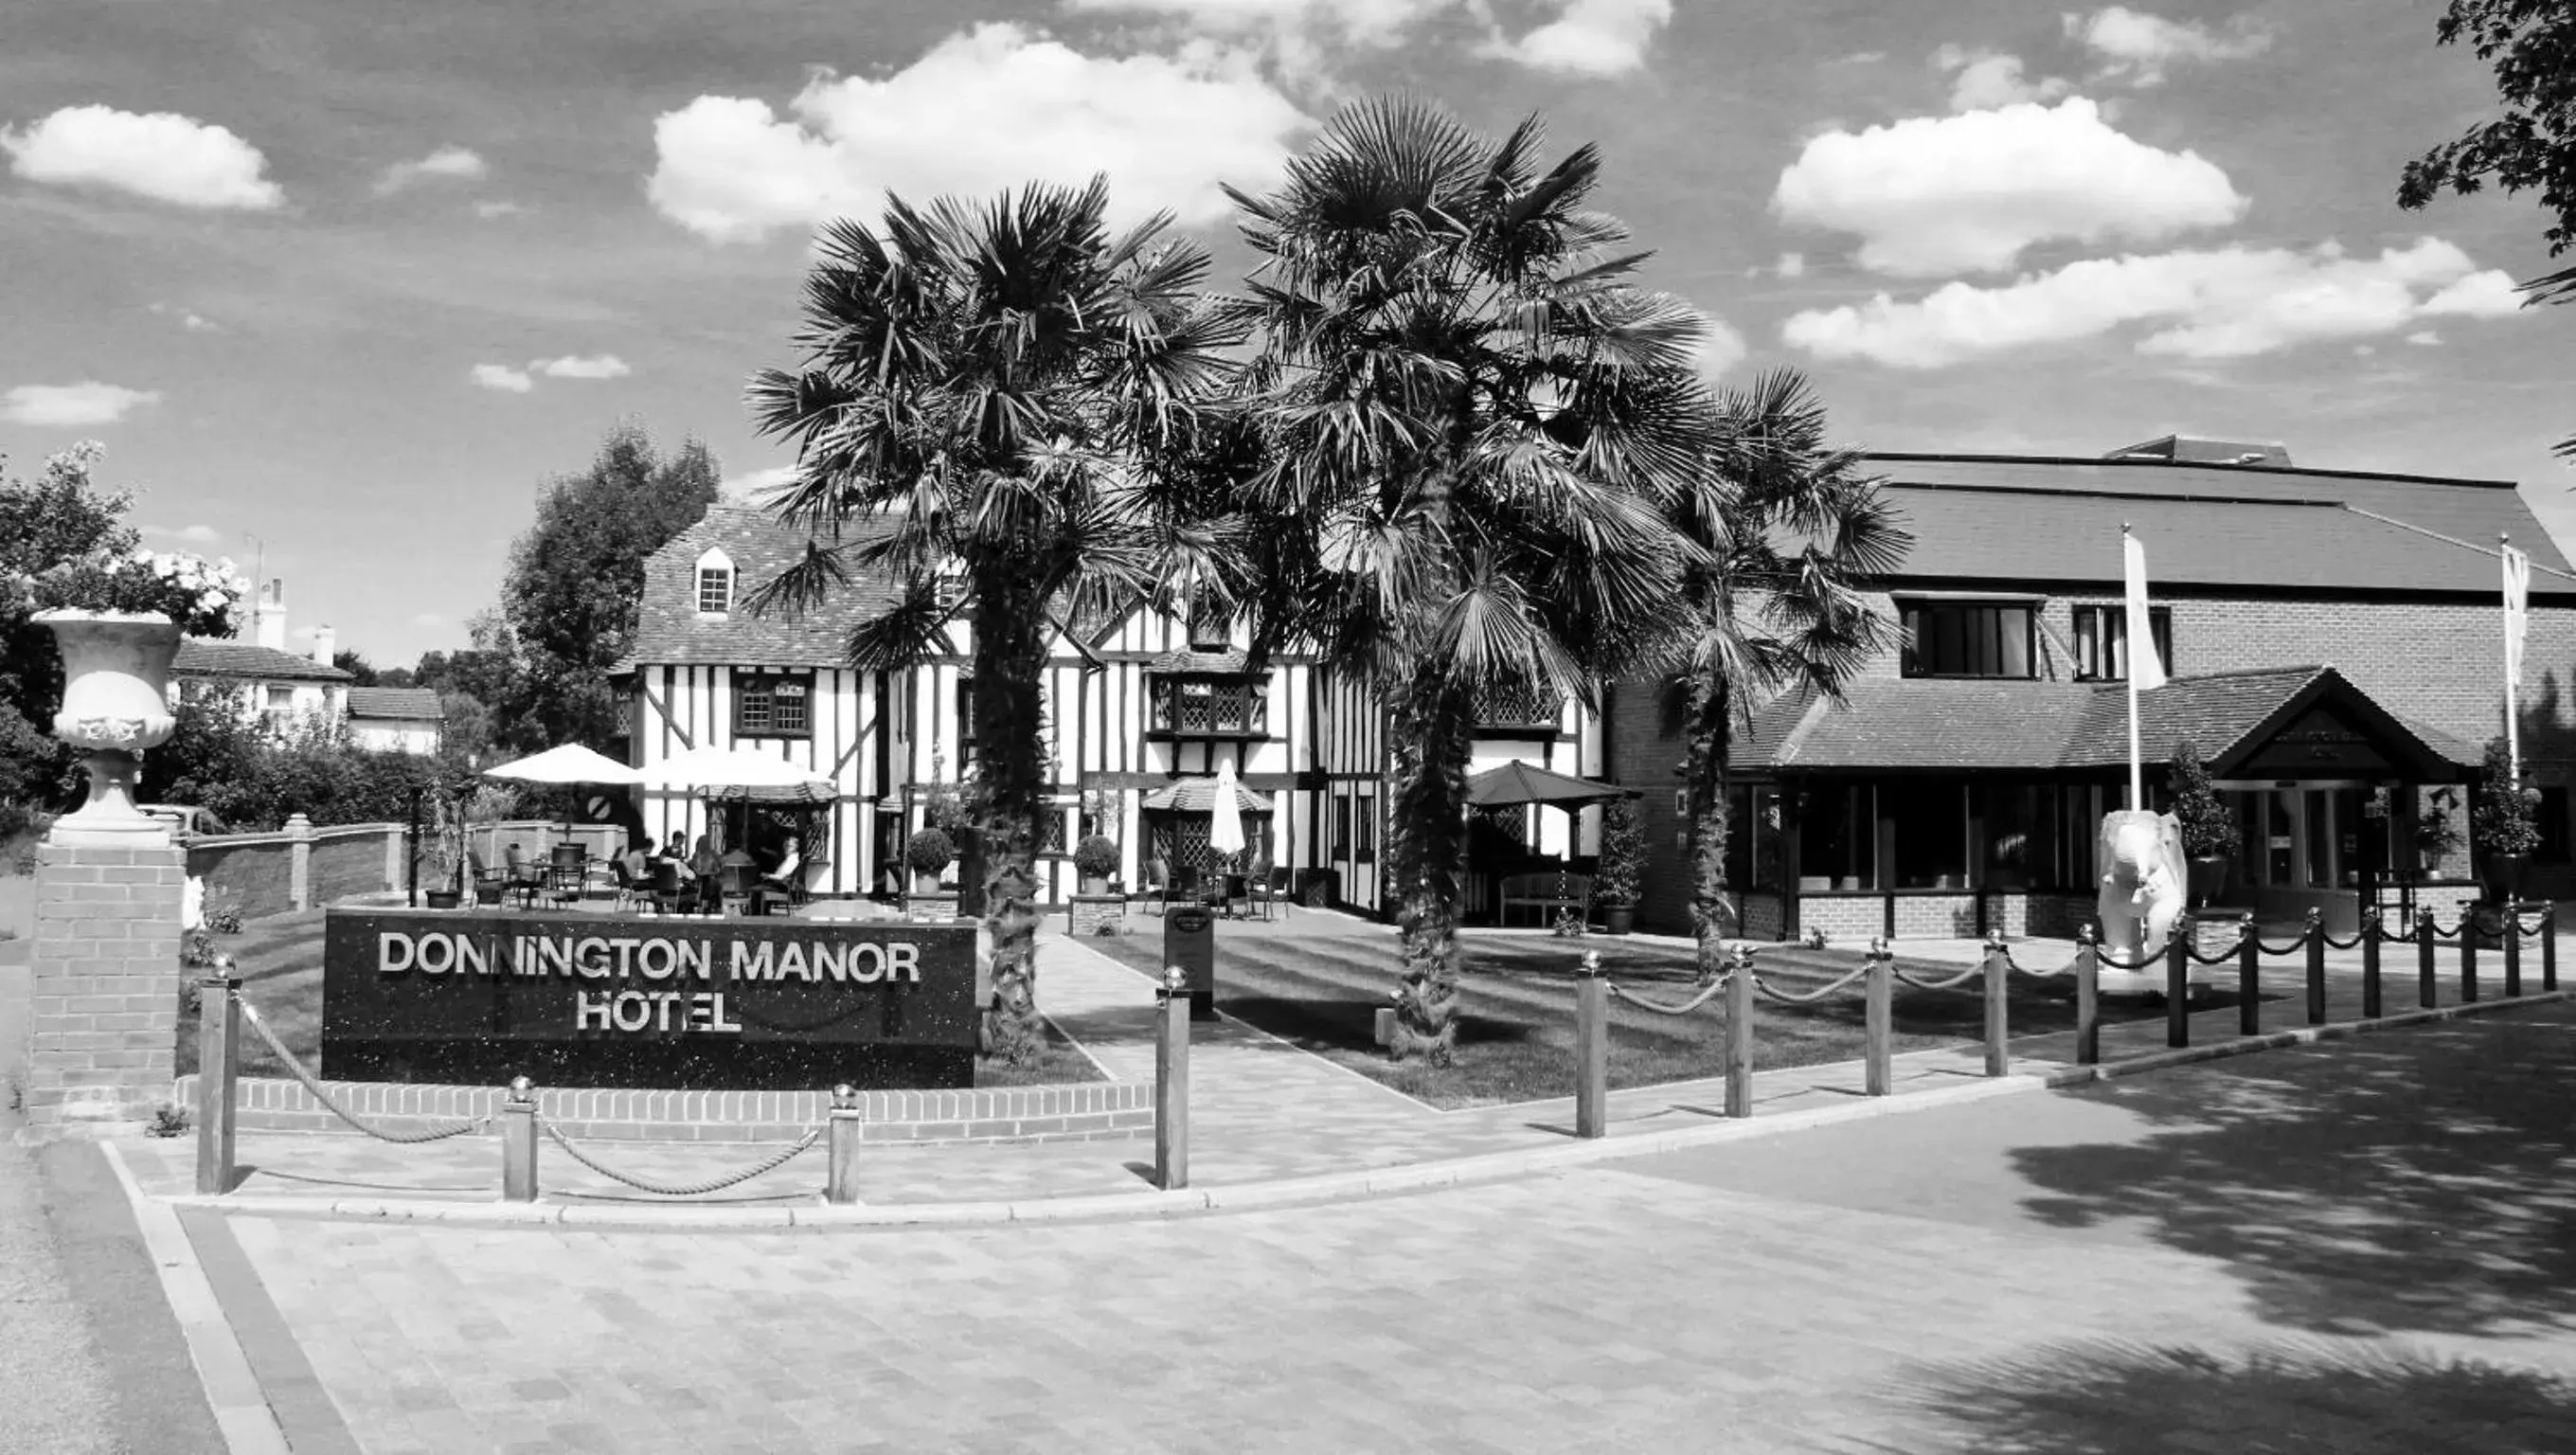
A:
[2512, 718]
[2137, 771]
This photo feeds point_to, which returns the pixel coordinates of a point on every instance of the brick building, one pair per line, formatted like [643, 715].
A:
[2335, 644]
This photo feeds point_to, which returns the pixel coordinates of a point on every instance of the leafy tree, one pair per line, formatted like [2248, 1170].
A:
[2532, 146]
[1475, 423]
[979, 382]
[2209, 829]
[2502, 818]
[361, 672]
[59, 516]
[576, 578]
[1795, 531]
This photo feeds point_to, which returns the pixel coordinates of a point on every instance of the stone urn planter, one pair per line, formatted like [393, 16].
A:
[116, 706]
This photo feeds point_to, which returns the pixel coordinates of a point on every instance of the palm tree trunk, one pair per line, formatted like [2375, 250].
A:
[1010, 792]
[1427, 861]
[1705, 780]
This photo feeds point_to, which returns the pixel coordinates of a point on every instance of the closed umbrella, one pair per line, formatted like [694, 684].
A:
[1225, 815]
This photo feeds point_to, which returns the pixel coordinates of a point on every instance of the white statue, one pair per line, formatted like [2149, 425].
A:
[192, 904]
[2144, 890]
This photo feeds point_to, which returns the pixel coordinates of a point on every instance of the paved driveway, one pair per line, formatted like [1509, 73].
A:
[2367, 1246]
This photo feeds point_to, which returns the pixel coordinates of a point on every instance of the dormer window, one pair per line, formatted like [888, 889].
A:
[1211, 626]
[715, 583]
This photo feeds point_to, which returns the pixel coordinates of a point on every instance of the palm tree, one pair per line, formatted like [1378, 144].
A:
[1479, 422]
[1794, 532]
[983, 392]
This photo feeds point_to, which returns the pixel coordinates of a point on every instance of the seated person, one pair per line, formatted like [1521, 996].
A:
[676, 853]
[783, 875]
[637, 864]
[708, 871]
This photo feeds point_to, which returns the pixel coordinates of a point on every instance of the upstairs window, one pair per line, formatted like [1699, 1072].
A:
[965, 722]
[1967, 639]
[774, 705]
[1210, 707]
[2102, 641]
[1210, 627]
[715, 584]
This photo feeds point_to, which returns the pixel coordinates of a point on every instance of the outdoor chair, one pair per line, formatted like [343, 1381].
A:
[565, 873]
[1264, 887]
[631, 891]
[485, 876]
[1158, 883]
[1555, 890]
[526, 880]
[666, 891]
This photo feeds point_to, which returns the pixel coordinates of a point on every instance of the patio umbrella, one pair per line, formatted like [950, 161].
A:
[1225, 813]
[569, 764]
[730, 773]
[1518, 782]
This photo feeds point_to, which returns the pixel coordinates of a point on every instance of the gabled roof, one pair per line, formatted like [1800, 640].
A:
[2210, 526]
[248, 662]
[396, 702]
[668, 629]
[1936, 724]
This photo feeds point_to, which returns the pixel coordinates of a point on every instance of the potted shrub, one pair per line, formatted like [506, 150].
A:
[2502, 823]
[1616, 880]
[117, 618]
[1096, 859]
[2437, 830]
[929, 852]
[2209, 833]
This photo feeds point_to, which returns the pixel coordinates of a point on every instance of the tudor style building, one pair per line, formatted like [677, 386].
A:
[2335, 645]
[1143, 710]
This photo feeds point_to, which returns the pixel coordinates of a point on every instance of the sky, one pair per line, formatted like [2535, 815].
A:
[340, 286]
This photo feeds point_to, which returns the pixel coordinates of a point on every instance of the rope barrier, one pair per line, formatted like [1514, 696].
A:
[2193, 954]
[2334, 944]
[1792, 998]
[2439, 933]
[664, 1189]
[2109, 961]
[1973, 972]
[313, 1088]
[1617, 992]
[2292, 948]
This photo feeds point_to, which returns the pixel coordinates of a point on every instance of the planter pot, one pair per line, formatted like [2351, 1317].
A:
[443, 898]
[1618, 919]
[924, 883]
[2208, 877]
[487, 894]
[1095, 884]
[116, 705]
[2502, 874]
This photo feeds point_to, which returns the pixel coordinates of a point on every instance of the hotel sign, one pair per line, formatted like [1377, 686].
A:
[2319, 744]
[589, 1000]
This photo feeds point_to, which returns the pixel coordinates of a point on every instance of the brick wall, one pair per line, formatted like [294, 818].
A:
[104, 1007]
[1091, 911]
[352, 861]
[250, 872]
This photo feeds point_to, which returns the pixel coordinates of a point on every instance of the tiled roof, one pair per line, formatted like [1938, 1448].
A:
[208, 657]
[2207, 526]
[1214, 662]
[669, 629]
[1898, 724]
[402, 702]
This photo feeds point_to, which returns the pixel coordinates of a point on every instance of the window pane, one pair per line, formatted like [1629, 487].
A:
[2015, 625]
[2088, 641]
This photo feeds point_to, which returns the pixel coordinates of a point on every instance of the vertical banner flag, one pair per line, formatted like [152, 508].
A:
[2146, 673]
[2517, 612]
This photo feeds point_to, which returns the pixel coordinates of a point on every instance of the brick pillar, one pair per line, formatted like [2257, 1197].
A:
[105, 1014]
[299, 870]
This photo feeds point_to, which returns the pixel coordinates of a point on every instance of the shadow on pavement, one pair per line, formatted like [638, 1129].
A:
[2282, 1399]
[2421, 1181]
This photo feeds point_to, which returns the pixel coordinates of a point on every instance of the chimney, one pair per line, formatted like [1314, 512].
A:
[326, 644]
[268, 619]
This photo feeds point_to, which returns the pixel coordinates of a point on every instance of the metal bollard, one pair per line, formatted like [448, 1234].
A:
[2088, 998]
[1998, 1016]
[1878, 991]
[2249, 979]
[2548, 946]
[2427, 993]
[848, 1124]
[2316, 944]
[2178, 983]
[1591, 1049]
[2468, 957]
[218, 1063]
[2512, 949]
[2372, 933]
[1739, 1034]
[519, 1142]
[1172, 1081]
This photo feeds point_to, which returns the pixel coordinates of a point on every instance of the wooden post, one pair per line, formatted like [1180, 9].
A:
[2315, 941]
[1172, 1081]
[519, 1142]
[1998, 986]
[2249, 979]
[2427, 993]
[2512, 949]
[1739, 1034]
[2178, 984]
[2371, 936]
[1591, 1049]
[848, 1125]
[2088, 999]
[2468, 957]
[1878, 991]
[2548, 946]
[218, 1062]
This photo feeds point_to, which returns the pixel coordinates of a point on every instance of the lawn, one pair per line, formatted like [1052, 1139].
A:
[1516, 1008]
[279, 961]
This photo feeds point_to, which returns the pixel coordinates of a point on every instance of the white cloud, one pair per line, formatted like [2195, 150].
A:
[1720, 349]
[502, 376]
[164, 156]
[596, 366]
[2221, 303]
[429, 618]
[1792, 265]
[757, 483]
[187, 320]
[2490, 294]
[2137, 47]
[2425, 339]
[195, 535]
[1936, 196]
[489, 210]
[1588, 37]
[449, 161]
[70, 406]
[1988, 80]
[1372, 22]
[988, 109]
